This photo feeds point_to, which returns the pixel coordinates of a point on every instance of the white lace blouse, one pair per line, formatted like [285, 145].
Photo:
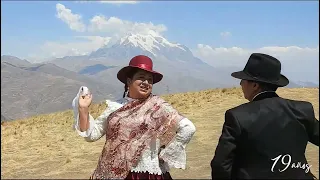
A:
[174, 155]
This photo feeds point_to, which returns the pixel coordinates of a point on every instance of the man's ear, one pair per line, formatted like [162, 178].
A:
[256, 86]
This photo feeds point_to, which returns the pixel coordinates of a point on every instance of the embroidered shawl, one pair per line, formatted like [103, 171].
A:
[130, 130]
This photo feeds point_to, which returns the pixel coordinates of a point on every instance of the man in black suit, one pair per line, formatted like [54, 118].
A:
[266, 137]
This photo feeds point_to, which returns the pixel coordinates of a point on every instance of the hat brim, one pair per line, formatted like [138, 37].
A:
[283, 81]
[122, 74]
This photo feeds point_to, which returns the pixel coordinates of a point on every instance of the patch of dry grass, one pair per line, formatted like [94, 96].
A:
[45, 146]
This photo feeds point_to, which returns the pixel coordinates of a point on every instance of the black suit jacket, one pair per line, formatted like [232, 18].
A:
[256, 133]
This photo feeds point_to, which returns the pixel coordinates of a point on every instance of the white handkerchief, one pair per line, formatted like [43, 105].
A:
[75, 103]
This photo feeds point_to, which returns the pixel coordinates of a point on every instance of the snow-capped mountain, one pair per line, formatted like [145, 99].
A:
[151, 44]
[181, 69]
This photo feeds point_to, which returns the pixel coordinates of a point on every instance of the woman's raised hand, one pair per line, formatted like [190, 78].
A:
[85, 98]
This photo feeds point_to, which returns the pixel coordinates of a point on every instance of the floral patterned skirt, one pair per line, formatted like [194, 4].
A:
[147, 176]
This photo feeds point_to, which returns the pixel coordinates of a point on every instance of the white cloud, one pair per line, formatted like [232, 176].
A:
[110, 26]
[225, 34]
[116, 26]
[75, 48]
[73, 20]
[297, 62]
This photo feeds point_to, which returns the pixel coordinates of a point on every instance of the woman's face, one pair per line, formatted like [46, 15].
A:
[140, 86]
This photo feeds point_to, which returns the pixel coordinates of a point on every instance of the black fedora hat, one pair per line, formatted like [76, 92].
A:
[262, 68]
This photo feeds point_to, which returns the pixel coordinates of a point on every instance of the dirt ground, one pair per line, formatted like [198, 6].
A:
[46, 146]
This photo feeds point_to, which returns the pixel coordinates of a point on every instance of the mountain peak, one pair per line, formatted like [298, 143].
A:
[151, 42]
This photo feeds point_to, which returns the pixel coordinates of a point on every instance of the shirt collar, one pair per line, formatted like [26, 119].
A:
[261, 93]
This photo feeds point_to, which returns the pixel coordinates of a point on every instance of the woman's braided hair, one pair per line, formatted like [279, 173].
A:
[125, 90]
[130, 75]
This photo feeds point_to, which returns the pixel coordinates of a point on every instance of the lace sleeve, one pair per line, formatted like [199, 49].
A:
[174, 154]
[97, 127]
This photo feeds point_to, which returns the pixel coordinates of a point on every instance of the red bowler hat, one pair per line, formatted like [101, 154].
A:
[141, 62]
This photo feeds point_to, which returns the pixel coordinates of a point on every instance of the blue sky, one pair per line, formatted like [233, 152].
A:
[214, 31]
[262, 23]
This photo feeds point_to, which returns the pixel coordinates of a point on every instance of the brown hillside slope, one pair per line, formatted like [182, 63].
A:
[45, 146]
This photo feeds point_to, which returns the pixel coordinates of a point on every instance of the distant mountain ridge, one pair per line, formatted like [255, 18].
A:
[94, 69]
[29, 89]
[14, 60]
[45, 88]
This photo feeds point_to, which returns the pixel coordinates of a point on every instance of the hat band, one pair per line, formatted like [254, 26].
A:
[262, 78]
[144, 66]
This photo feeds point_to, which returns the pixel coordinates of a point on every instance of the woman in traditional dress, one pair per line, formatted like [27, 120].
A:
[145, 135]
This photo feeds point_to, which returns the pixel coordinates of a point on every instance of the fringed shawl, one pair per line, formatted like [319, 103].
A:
[130, 130]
